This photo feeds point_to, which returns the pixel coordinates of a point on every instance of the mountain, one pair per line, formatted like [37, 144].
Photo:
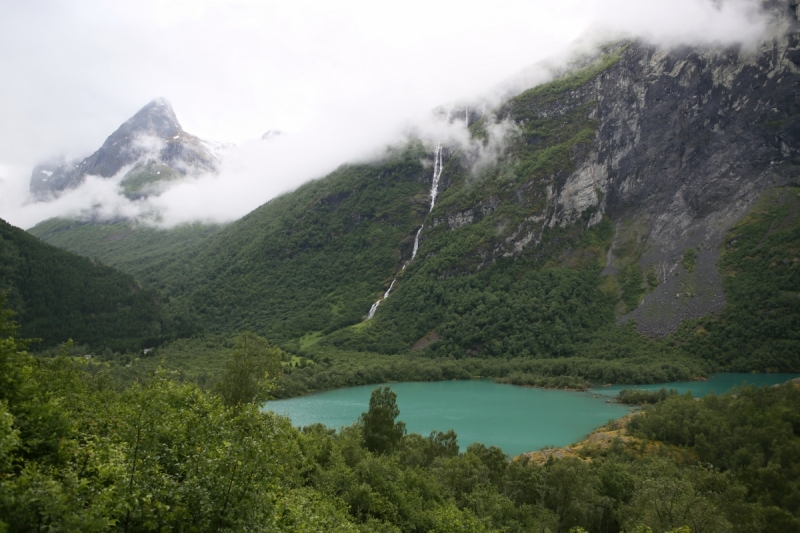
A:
[151, 147]
[653, 186]
[58, 295]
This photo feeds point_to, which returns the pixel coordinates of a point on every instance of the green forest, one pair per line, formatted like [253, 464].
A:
[760, 326]
[527, 321]
[59, 296]
[130, 247]
[80, 451]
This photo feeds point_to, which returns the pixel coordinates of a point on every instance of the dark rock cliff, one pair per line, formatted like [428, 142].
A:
[686, 140]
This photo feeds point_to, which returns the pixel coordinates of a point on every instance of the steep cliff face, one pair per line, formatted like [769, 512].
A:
[685, 140]
[152, 143]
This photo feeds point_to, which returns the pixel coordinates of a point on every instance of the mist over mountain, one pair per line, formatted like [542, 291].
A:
[147, 150]
[348, 101]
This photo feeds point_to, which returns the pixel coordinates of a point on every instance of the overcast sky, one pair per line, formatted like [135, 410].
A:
[341, 78]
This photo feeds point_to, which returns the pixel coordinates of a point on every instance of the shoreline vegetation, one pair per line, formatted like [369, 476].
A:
[201, 360]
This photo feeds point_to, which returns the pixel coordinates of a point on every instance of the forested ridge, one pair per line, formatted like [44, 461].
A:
[129, 247]
[527, 321]
[578, 343]
[533, 322]
[59, 295]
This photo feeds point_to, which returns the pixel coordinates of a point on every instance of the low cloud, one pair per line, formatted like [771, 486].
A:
[97, 197]
[696, 22]
[343, 84]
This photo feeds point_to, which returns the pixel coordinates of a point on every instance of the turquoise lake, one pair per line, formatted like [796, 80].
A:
[717, 383]
[516, 419]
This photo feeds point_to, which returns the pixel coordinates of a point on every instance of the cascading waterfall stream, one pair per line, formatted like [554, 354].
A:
[373, 309]
[437, 173]
[376, 304]
[416, 245]
[438, 166]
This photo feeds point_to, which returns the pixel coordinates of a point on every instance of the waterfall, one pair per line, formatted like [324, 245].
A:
[373, 309]
[376, 304]
[386, 295]
[416, 244]
[466, 116]
[437, 173]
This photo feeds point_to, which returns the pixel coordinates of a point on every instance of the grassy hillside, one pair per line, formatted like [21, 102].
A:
[315, 260]
[576, 342]
[459, 299]
[133, 248]
[311, 260]
[58, 295]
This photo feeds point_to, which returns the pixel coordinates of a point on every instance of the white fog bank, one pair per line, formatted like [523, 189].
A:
[342, 81]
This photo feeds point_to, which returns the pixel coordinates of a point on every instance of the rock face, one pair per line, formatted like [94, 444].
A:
[686, 140]
[152, 143]
[715, 130]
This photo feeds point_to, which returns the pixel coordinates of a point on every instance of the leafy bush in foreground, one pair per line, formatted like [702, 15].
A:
[78, 455]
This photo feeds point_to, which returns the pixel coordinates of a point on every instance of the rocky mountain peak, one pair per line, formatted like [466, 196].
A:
[151, 144]
[157, 118]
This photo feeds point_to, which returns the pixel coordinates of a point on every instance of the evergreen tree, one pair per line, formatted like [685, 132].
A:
[381, 432]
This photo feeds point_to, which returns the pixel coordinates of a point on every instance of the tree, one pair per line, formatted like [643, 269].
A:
[250, 373]
[572, 493]
[381, 432]
[668, 497]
